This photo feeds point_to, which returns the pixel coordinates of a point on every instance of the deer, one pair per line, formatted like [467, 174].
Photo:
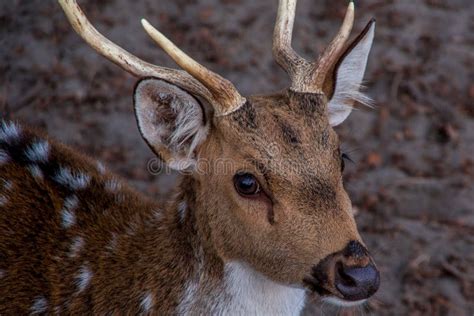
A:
[258, 238]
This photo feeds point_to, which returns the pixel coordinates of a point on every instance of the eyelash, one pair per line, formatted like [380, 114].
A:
[344, 157]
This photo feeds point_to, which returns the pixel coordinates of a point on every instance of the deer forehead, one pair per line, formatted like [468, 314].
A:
[272, 132]
[290, 143]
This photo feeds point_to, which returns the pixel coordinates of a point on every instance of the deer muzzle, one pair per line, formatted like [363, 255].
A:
[349, 274]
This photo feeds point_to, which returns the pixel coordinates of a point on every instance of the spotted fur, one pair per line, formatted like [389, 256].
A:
[38, 152]
[76, 240]
[107, 249]
[83, 278]
[76, 246]
[9, 132]
[4, 157]
[40, 306]
[147, 302]
[68, 214]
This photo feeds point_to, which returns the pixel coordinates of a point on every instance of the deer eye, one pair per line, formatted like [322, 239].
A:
[246, 184]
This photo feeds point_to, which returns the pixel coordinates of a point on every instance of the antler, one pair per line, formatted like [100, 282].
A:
[306, 76]
[283, 53]
[221, 89]
[219, 92]
[331, 53]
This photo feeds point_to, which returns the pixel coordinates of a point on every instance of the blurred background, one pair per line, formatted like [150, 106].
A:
[412, 180]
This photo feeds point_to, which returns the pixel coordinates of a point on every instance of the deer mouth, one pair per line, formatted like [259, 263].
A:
[329, 295]
[342, 303]
[345, 278]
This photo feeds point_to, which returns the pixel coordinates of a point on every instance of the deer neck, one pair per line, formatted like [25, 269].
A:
[220, 286]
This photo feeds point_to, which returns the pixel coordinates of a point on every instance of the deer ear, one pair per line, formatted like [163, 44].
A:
[348, 75]
[171, 121]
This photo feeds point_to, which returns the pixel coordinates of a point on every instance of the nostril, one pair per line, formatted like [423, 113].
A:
[357, 283]
[345, 279]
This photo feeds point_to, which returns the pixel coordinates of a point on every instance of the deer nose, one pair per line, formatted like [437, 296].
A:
[357, 283]
[349, 274]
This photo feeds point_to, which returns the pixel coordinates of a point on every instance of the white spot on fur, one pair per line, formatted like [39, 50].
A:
[100, 167]
[157, 215]
[112, 243]
[9, 131]
[182, 207]
[38, 152]
[40, 305]
[83, 278]
[132, 229]
[76, 246]
[147, 302]
[69, 218]
[6, 184]
[113, 185]
[348, 80]
[3, 200]
[57, 310]
[68, 212]
[35, 171]
[251, 293]
[74, 180]
[4, 157]
[338, 302]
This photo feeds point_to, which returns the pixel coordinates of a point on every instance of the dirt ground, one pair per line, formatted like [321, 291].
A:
[412, 181]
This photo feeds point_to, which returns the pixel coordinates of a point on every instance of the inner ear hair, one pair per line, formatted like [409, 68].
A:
[331, 80]
[346, 79]
[171, 121]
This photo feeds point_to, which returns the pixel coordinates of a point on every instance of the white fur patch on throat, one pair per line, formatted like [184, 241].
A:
[251, 293]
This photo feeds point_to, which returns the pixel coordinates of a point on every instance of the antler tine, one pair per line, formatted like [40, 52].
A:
[124, 59]
[283, 53]
[226, 97]
[218, 91]
[306, 76]
[334, 49]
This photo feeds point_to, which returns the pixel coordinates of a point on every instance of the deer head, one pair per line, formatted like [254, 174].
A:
[279, 205]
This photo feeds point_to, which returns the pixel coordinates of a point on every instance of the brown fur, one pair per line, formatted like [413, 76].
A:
[75, 240]
[306, 217]
[312, 213]
[152, 253]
